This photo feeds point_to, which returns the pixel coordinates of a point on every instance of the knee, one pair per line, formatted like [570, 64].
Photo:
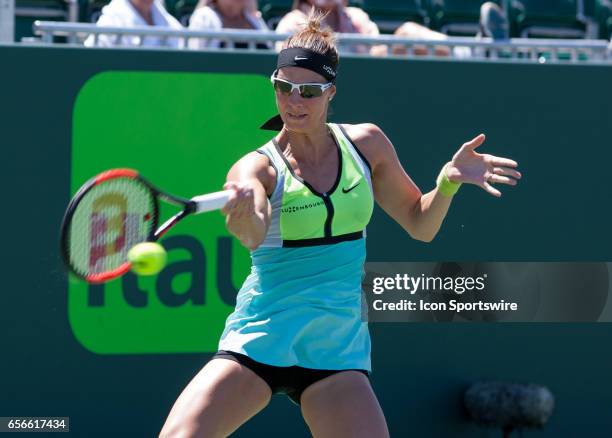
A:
[414, 30]
[189, 429]
[408, 29]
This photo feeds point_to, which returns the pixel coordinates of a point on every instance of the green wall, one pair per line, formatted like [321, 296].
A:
[554, 120]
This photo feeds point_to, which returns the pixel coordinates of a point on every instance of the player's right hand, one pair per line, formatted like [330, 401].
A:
[241, 203]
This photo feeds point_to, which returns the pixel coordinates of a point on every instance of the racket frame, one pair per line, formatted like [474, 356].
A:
[156, 232]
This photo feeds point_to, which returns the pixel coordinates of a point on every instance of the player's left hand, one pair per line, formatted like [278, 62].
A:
[468, 166]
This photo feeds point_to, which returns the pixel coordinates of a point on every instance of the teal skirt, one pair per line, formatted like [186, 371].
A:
[302, 306]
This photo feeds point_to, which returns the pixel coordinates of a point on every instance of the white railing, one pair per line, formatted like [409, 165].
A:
[538, 50]
[7, 20]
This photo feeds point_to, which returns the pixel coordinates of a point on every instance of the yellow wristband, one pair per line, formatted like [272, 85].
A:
[446, 186]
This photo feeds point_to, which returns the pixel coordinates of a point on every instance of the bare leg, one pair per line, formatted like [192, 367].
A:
[220, 398]
[343, 405]
[418, 31]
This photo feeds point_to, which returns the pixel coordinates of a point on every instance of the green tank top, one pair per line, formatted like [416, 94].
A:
[302, 216]
[302, 303]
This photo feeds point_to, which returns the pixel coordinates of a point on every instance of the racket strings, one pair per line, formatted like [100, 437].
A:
[111, 218]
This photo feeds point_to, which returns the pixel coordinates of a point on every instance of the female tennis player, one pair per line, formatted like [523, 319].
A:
[301, 205]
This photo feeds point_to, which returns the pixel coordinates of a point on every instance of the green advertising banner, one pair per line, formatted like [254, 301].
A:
[140, 120]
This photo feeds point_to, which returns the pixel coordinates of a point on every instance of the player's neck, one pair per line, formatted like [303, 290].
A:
[311, 147]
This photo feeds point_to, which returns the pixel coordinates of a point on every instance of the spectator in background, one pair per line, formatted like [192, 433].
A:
[225, 14]
[417, 31]
[493, 24]
[343, 19]
[135, 13]
[340, 18]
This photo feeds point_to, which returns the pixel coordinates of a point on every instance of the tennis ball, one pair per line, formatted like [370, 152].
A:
[147, 258]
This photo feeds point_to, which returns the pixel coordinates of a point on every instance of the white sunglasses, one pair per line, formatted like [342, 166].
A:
[307, 91]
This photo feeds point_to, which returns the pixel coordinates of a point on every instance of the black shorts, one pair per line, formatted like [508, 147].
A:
[291, 380]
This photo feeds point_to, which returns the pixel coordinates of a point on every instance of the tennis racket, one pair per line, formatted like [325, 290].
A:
[114, 211]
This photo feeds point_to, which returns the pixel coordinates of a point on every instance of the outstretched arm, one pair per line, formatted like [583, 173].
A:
[395, 192]
[421, 215]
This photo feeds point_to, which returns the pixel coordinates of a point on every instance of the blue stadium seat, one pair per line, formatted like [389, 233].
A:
[603, 15]
[28, 11]
[589, 8]
[390, 14]
[273, 10]
[93, 9]
[456, 17]
[181, 9]
[548, 18]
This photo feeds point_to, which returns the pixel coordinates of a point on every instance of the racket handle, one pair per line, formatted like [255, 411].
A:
[211, 201]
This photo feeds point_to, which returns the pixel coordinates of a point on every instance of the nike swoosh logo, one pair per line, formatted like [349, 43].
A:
[350, 188]
[298, 58]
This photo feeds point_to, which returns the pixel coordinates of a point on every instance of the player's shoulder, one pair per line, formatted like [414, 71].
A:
[254, 165]
[362, 131]
[370, 139]
[255, 160]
